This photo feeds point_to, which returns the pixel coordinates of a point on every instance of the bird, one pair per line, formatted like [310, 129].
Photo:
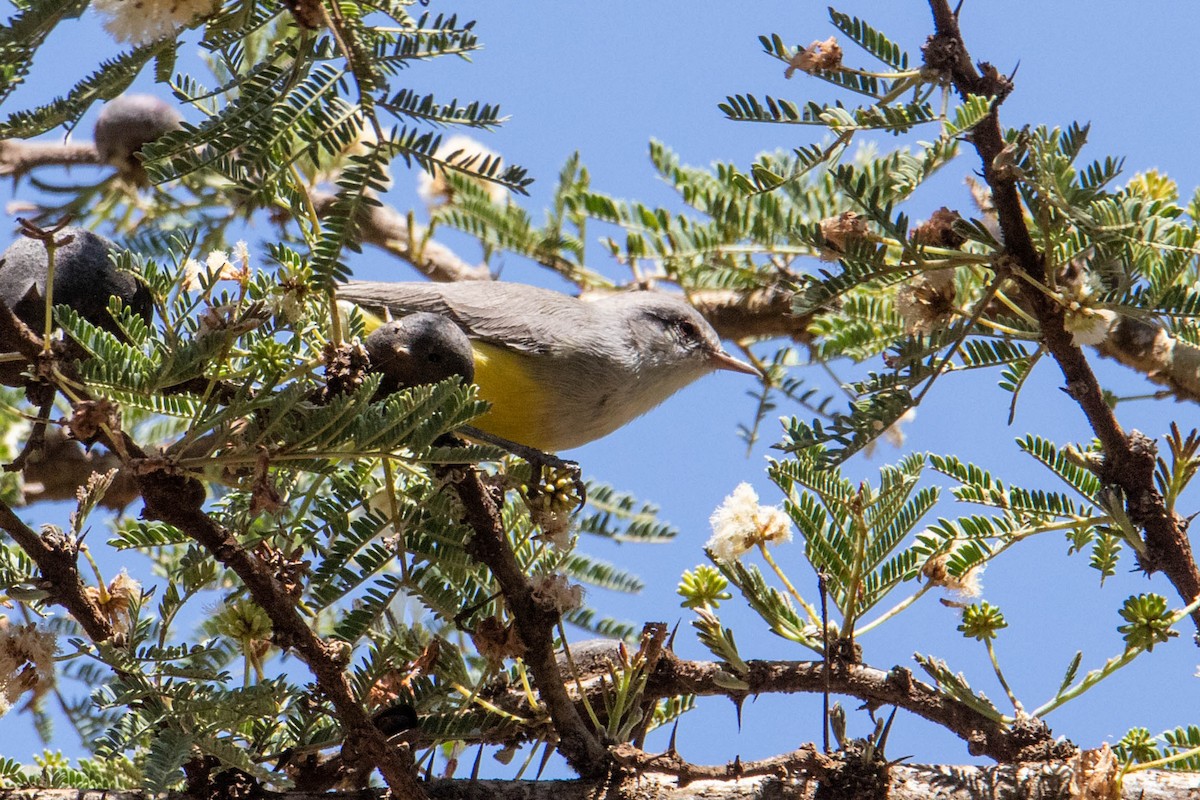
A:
[418, 349]
[559, 371]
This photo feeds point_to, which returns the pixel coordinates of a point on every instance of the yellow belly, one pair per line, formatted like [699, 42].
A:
[518, 403]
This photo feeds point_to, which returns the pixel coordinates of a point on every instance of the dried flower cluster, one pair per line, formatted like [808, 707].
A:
[926, 301]
[938, 230]
[26, 662]
[840, 232]
[823, 56]
[740, 524]
[969, 584]
[116, 601]
[554, 591]
[496, 640]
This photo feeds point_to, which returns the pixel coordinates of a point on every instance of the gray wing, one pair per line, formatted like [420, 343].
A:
[517, 315]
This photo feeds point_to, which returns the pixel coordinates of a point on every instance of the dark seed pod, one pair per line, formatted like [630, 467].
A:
[84, 279]
[417, 349]
[126, 124]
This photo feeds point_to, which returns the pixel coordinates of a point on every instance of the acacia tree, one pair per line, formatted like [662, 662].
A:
[236, 405]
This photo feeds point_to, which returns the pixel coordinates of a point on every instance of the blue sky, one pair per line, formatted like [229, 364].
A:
[604, 79]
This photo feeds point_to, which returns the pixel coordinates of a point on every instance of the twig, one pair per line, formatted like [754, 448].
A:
[55, 554]
[18, 157]
[672, 677]
[177, 501]
[1129, 459]
[535, 623]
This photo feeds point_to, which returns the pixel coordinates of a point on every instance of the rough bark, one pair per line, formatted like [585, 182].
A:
[906, 782]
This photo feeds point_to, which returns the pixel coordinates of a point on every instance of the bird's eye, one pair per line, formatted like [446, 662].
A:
[687, 329]
[433, 358]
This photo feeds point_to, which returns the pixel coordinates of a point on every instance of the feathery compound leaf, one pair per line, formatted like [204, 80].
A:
[846, 434]
[956, 686]
[620, 517]
[1077, 477]
[967, 115]
[112, 78]
[23, 34]
[425, 107]
[870, 39]
[774, 608]
[340, 228]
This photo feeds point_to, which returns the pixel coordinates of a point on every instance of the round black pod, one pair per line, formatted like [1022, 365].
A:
[417, 349]
[84, 279]
[127, 123]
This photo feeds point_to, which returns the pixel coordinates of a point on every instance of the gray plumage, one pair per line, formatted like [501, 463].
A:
[598, 364]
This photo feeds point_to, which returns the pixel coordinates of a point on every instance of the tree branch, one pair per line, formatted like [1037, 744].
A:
[18, 156]
[1129, 458]
[1161, 357]
[535, 623]
[178, 501]
[673, 677]
[760, 314]
[803, 760]
[905, 782]
[56, 556]
[388, 229]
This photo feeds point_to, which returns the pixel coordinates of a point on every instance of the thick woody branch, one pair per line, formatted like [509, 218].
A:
[1129, 458]
[1150, 350]
[177, 501]
[760, 314]
[897, 687]
[388, 229]
[56, 555]
[804, 760]
[18, 157]
[904, 782]
[535, 623]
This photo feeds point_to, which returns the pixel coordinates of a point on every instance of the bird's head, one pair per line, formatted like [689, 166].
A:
[669, 335]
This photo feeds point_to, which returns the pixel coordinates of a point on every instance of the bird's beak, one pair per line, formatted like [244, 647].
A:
[722, 360]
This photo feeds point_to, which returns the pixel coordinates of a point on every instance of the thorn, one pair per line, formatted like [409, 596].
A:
[475, 766]
[549, 751]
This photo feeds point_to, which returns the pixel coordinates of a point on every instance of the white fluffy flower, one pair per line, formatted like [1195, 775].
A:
[144, 21]
[894, 433]
[217, 266]
[1088, 325]
[435, 190]
[740, 523]
[936, 571]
